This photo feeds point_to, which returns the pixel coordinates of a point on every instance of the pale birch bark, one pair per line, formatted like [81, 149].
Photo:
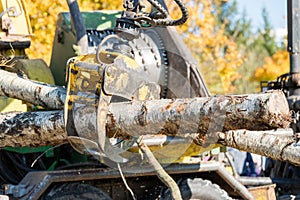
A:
[47, 128]
[213, 113]
[203, 115]
[161, 173]
[32, 129]
[47, 96]
[281, 144]
[165, 116]
[179, 116]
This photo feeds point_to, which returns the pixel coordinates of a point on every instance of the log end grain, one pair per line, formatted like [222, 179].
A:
[279, 113]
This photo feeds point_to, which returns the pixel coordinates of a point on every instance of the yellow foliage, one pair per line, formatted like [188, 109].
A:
[215, 51]
[273, 67]
[43, 17]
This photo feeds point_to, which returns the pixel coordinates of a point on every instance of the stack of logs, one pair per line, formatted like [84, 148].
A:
[257, 123]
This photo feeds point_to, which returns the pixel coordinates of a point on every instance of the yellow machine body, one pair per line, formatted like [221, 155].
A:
[14, 20]
[15, 33]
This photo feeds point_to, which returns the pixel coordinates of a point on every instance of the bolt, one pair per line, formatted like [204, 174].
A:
[110, 71]
[222, 135]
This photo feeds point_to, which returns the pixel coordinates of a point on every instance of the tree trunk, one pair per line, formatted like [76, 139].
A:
[47, 128]
[281, 144]
[203, 115]
[32, 129]
[47, 96]
[166, 116]
[180, 117]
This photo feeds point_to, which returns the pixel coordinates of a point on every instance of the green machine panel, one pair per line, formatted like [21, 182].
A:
[98, 25]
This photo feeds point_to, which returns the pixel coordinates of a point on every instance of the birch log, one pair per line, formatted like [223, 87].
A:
[32, 129]
[281, 144]
[45, 95]
[47, 128]
[203, 115]
[166, 116]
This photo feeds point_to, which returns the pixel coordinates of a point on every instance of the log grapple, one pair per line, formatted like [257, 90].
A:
[127, 94]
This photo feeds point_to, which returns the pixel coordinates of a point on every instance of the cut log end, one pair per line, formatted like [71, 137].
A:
[279, 113]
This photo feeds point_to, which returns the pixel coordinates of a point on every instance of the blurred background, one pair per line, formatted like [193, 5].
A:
[237, 43]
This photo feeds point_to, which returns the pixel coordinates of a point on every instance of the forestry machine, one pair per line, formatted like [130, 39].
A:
[106, 57]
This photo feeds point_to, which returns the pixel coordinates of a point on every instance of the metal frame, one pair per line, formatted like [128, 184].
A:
[34, 184]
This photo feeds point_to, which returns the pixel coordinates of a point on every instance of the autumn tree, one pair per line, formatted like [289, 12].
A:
[239, 29]
[266, 35]
[274, 66]
[276, 61]
[230, 52]
[257, 48]
[217, 53]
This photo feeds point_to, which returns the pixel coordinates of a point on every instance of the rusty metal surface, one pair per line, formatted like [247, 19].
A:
[266, 192]
[260, 181]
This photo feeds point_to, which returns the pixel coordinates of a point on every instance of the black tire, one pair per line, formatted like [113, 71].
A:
[76, 191]
[198, 189]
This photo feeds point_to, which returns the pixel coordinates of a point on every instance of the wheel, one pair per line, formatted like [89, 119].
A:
[197, 189]
[76, 191]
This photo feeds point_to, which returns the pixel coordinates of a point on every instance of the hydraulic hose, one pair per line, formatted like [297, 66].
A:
[171, 22]
[81, 35]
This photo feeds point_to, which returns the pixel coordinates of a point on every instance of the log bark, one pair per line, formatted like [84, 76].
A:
[166, 116]
[203, 115]
[210, 114]
[281, 144]
[32, 129]
[47, 128]
[45, 95]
